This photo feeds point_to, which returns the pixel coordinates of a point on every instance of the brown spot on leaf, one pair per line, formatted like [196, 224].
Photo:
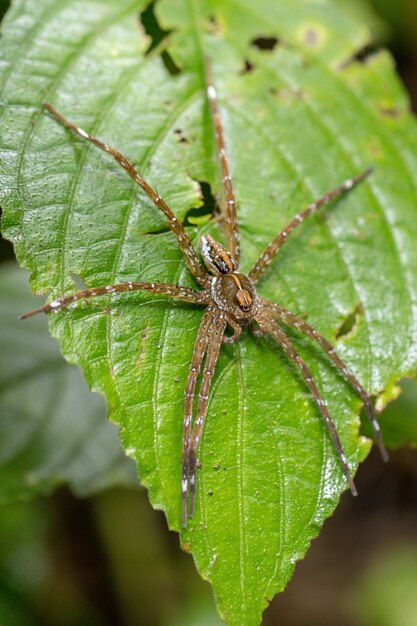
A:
[143, 337]
[311, 37]
[286, 93]
[387, 111]
[375, 150]
[212, 25]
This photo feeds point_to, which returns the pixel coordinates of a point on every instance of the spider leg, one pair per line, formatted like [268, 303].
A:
[174, 291]
[199, 351]
[232, 230]
[237, 331]
[216, 332]
[276, 332]
[256, 332]
[296, 322]
[194, 264]
[271, 250]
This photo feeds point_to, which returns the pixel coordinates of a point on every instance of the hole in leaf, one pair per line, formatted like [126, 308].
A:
[265, 43]
[157, 35]
[161, 231]
[350, 324]
[151, 27]
[6, 249]
[170, 64]
[360, 56]
[180, 135]
[247, 67]
[78, 281]
[202, 214]
[364, 53]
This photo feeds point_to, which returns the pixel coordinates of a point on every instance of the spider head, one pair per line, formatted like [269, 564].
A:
[216, 258]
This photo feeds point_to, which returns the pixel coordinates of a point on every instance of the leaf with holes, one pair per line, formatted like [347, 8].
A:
[303, 108]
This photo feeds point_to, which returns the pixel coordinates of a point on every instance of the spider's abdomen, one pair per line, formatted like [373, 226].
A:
[235, 294]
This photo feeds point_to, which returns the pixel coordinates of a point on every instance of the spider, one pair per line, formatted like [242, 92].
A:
[230, 298]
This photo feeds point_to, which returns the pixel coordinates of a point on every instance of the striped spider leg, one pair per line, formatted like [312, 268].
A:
[290, 319]
[190, 255]
[274, 311]
[207, 344]
[232, 229]
[261, 265]
[174, 291]
[268, 325]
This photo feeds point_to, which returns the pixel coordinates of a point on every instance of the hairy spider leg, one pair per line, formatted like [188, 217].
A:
[199, 351]
[268, 324]
[215, 335]
[174, 291]
[194, 264]
[232, 229]
[296, 322]
[272, 248]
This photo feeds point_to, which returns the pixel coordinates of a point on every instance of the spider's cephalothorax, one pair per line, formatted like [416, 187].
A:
[230, 298]
[233, 292]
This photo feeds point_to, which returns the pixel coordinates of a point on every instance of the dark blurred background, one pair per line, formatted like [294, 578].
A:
[110, 560]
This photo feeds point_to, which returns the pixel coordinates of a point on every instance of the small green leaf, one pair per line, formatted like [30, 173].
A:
[399, 419]
[52, 428]
[299, 117]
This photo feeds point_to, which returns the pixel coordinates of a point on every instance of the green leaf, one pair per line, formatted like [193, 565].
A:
[52, 428]
[298, 119]
[398, 421]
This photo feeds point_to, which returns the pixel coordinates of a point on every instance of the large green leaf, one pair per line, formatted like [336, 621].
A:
[308, 115]
[52, 428]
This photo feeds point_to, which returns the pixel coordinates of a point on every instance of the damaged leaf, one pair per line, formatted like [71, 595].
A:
[309, 113]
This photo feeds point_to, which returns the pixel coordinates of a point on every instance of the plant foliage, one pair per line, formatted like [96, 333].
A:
[303, 108]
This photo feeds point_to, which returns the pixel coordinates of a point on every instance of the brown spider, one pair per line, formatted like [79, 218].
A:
[230, 298]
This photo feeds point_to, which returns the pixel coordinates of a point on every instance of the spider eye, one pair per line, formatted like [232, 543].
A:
[244, 300]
